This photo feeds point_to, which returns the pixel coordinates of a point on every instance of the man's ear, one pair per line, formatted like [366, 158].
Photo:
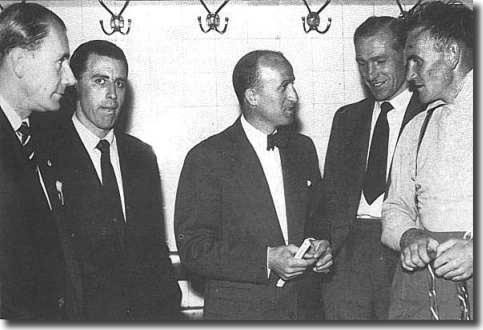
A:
[453, 54]
[251, 97]
[17, 60]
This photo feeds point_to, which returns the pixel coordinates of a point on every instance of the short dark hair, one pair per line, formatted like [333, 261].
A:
[375, 24]
[246, 73]
[78, 60]
[25, 25]
[445, 22]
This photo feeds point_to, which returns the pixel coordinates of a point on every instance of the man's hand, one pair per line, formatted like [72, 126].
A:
[281, 260]
[321, 251]
[417, 249]
[454, 259]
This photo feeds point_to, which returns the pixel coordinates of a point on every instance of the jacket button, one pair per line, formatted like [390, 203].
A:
[114, 220]
[180, 236]
[72, 235]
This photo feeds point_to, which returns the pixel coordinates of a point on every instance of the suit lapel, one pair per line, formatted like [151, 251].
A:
[127, 164]
[294, 197]
[248, 171]
[361, 134]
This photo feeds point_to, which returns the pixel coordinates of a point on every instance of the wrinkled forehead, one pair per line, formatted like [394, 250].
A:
[102, 64]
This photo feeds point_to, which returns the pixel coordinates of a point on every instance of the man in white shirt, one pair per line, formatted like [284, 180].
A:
[34, 72]
[358, 163]
[242, 204]
[119, 264]
[428, 215]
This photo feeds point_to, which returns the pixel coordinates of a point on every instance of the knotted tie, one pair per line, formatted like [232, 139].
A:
[109, 183]
[375, 177]
[278, 139]
[26, 139]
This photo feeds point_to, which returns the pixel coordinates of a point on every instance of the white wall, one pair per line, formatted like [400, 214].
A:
[181, 77]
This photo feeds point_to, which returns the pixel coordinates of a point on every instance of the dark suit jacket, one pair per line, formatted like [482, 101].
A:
[31, 276]
[117, 270]
[225, 220]
[345, 165]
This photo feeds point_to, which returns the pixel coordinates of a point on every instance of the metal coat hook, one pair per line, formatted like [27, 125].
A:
[404, 14]
[117, 21]
[313, 19]
[213, 19]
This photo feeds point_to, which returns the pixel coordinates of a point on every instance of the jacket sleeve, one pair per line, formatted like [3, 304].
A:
[199, 221]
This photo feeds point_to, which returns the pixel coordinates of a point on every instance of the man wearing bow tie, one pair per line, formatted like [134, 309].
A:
[241, 204]
[34, 72]
[119, 265]
[358, 162]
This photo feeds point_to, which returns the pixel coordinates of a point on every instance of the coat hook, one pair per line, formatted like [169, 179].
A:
[313, 19]
[117, 21]
[213, 19]
[404, 14]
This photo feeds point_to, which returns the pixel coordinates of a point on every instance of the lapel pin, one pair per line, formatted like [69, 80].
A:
[60, 194]
[49, 163]
[309, 183]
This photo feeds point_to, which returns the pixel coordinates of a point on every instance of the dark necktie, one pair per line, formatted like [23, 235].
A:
[278, 139]
[26, 140]
[112, 199]
[375, 177]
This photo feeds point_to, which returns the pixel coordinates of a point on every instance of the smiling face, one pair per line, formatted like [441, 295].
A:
[47, 72]
[428, 70]
[101, 89]
[275, 94]
[381, 67]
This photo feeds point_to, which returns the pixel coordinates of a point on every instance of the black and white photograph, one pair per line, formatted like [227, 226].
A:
[186, 162]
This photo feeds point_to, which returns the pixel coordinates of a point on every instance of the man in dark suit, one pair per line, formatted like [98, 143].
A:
[34, 72]
[118, 263]
[241, 204]
[359, 155]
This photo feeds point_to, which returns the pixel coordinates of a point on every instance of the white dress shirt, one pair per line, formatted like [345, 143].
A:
[394, 118]
[272, 168]
[16, 122]
[90, 141]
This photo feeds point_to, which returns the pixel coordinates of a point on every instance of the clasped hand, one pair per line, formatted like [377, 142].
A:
[281, 259]
[452, 259]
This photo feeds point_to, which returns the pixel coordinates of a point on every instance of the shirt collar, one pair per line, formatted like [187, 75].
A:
[89, 139]
[466, 92]
[258, 139]
[400, 101]
[11, 114]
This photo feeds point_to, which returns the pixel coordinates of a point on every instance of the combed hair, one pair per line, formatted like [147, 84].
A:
[246, 72]
[376, 24]
[78, 60]
[445, 22]
[25, 25]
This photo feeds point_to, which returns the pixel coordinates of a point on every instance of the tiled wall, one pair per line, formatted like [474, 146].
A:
[181, 77]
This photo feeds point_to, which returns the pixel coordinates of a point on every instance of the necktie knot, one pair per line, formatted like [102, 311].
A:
[24, 131]
[386, 107]
[278, 139]
[103, 146]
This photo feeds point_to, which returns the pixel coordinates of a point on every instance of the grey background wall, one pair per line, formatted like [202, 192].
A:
[181, 77]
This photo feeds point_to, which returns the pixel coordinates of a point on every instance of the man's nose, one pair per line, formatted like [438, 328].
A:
[68, 78]
[292, 94]
[411, 73]
[111, 91]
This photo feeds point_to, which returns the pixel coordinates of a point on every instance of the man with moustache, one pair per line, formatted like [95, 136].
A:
[120, 267]
[359, 154]
[242, 202]
[34, 72]
[428, 215]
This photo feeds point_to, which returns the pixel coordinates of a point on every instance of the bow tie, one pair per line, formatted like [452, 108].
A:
[278, 139]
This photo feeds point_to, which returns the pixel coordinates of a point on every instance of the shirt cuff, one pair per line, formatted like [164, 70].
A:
[268, 269]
